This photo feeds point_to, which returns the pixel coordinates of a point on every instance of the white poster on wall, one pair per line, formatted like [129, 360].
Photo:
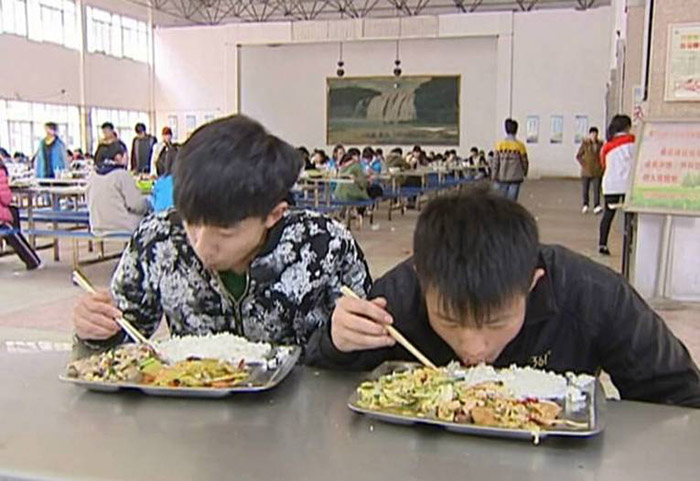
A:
[172, 123]
[581, 132]
[683, 63]
[532, 128]
[557, 130]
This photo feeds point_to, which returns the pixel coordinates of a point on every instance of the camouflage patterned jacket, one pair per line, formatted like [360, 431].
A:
[293, 283]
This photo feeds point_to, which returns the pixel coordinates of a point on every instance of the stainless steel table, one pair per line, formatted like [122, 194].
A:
[301, 431]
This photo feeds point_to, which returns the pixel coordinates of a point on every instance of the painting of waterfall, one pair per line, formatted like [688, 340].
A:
[393, 111]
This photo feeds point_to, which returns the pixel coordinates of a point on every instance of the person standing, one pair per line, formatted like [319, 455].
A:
[110, 146]
[51, 156]
[510, 163]
[617, 157]
[9, 224]
[591, 170]
[141, 150]
[164, 153]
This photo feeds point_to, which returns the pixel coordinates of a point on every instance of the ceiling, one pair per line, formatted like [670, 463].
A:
[213, 12]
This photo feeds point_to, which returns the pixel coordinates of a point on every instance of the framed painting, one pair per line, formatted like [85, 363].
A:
[393, 111]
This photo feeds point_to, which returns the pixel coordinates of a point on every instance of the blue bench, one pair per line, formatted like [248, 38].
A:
[58, 216]
[78, 235]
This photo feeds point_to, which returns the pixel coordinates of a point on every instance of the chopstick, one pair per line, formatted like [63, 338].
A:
[395, 334]
[82, 281]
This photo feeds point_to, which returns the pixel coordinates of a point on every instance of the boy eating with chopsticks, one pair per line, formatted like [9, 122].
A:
[231, 257]
[481, 288]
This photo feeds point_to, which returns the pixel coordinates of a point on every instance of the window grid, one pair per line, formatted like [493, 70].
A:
[22, 124]
[117, 35]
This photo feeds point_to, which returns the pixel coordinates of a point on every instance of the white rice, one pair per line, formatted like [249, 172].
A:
[223, 346]
[526, 382]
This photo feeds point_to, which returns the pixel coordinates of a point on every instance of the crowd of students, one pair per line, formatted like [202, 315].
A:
[480, 287]
[114, 202]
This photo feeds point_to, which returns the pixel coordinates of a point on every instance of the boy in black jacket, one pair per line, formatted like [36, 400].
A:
[481, 288]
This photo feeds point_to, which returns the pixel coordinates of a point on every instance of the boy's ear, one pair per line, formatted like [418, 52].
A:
[276, 214]
[539, 274]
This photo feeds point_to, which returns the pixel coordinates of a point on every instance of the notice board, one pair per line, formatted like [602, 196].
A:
[666, 175]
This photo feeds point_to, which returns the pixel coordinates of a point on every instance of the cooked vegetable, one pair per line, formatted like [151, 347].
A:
[137, 364]
[425, 392]
[201, 373]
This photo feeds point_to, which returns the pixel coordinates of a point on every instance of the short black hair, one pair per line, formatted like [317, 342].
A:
[397, 150]
[52, 125]
[511, 127]
[593, 129]
[477, 250]
[368, 153]
[140, 128]
[303, 151]
[232, 169]
[107, 125]
[379, 152]
[354, 152]
[417, 148]
[474, 150]
[618, 125]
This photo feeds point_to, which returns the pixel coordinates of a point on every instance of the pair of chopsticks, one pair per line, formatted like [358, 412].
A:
[82, 281]
[395, 334]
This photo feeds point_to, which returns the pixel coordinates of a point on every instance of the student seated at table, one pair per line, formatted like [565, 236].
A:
[9, 222]
[396, 160]
[360, 189]
[481, 288]
[162, 196]
[115, 203]
[231, 257]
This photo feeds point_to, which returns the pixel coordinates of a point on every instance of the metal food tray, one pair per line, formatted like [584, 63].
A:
[261, 379]
[593, 413]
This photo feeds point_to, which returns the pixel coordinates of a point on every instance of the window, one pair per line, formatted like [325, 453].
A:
[116, 35]
[22, 125]
[55, 21]
[124, 122]
[14, 17]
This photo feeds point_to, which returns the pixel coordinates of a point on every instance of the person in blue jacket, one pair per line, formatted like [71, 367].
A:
[51, 156]
[162, 195]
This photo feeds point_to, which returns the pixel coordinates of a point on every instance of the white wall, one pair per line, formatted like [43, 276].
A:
[38, 71]
[190, 73]
[560, 67]
[284, 87]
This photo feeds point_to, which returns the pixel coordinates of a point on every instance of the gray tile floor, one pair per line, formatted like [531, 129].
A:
[37, 306]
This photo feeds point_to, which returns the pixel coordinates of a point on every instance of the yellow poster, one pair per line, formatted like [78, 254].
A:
[666, 176]
[683, 64]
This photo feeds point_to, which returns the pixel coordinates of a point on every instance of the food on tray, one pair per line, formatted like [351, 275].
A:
[514, 398]
[222, 346]
[217, 361]
[197, 373]
[121, 364]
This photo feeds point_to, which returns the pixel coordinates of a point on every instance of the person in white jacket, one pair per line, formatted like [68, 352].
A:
[617, 159]
[115, 203]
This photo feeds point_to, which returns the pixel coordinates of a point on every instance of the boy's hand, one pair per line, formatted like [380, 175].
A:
[358, 324]
[93, 317]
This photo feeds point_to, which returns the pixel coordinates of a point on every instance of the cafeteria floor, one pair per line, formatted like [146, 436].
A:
[36, 306]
